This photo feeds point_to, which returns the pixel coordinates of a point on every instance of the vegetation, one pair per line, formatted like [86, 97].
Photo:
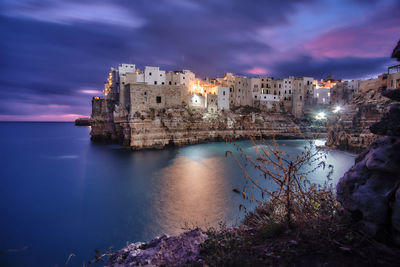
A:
[295, 223]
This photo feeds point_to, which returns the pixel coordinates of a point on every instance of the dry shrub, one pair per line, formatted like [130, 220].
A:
[289, 199]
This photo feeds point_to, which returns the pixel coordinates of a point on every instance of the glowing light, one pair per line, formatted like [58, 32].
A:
[321, 116]
[337, 109]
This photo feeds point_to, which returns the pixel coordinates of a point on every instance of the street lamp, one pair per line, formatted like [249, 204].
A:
[337, 109]
[320, 116]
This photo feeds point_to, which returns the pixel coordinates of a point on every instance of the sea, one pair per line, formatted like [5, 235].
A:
[64, 197]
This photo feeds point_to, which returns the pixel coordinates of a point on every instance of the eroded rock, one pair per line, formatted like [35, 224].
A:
[370, 189]
[162, 251]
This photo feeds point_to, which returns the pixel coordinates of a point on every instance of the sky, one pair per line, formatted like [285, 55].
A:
[55, 55]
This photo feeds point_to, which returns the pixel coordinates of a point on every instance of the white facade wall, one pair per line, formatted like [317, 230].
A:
[197, 101]
[269, 97]
[323, 95]
[154, 76]
[353, 85]
[126, 68]
[140, 78]
[223, 98]
[184, 77]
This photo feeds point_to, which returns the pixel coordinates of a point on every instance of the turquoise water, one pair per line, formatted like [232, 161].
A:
[62, 194]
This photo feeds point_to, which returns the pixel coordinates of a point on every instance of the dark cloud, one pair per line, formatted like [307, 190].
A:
[51, 50]
[341, 68]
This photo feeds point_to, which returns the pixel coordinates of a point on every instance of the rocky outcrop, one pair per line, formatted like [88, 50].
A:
[349, 129]
[162, 251]
[82, 122]
[183, 126]
[370, 190]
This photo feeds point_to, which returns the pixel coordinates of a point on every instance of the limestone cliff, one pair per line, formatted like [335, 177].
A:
[182, 126]
[349, 129]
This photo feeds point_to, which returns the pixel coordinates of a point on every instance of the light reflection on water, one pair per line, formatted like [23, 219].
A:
[72, 196]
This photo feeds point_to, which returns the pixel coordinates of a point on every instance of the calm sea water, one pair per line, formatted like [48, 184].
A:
[62, 194]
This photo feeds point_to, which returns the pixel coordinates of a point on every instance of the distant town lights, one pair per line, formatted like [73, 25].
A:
[321, 116]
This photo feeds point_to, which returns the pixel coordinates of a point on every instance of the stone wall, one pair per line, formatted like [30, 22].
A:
[349, 129]
[144, 97]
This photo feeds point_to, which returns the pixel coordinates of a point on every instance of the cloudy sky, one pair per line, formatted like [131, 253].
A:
[54, 55]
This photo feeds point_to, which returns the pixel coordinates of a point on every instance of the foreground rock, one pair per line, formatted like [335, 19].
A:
[162, 251]
[82, 122]
[370, 190]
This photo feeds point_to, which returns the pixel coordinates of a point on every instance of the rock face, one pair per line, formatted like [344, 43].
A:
[162, 251]
[349, 130]
[182, 126]
[82, 122]
[370, 190]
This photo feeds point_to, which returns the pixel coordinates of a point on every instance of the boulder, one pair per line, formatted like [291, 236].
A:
[161, 251]
[370, 189]
[389, 125]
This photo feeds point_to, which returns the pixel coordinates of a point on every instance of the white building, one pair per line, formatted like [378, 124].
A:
[223, 98]
[126, 68]
[323, 95]
[153, 75]
[182, 77]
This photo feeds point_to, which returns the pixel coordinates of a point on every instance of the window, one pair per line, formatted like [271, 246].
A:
[175, 83]
[280, 85]
[223, 93]
[150, 73]
[162, 83]
[255, 96]
[301, 98]
[170, 83]
[274, 92]
[155, 82]
[160, 75]
[183, 77]
[285, 81]
[145, 93]
[265, 97]
[262, 85]
[285, 92]
[158, 99]
[290, 91]
[279, 93]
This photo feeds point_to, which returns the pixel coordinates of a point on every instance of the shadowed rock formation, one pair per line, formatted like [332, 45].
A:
[396, 51]
[370, 190]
